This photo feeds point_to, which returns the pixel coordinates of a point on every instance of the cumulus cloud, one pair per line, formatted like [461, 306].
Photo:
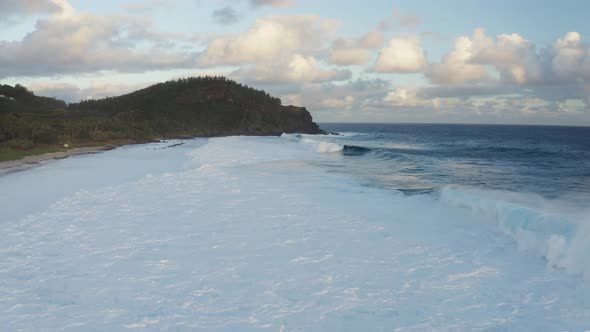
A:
[225, 15]
[272, 3]
[292, 99]
[515, 59]
[144, 6]
[92, 43]
[72, 93]
[511, 54]
[297, 68]
[355, 51]
[402, 55]
[403, 97]
[346, 96]
[345, 102]
[269, 39]
[15, 8]
[414, 97]
[457, 67]
[571, 58]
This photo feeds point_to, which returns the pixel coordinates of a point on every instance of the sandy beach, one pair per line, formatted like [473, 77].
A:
[32, 161]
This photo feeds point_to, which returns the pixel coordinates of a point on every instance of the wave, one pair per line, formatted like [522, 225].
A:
[544, 227]
[354, 150]
[329, 147]
[347, 150]
[395, 151]
[291, 137]
[351, 134]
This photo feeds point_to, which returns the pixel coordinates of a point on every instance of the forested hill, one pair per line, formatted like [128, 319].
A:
[201, 106]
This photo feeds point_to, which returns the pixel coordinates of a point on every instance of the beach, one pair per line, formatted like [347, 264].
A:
[36, 160]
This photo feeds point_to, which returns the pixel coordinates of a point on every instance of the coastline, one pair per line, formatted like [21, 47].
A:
[28, 162]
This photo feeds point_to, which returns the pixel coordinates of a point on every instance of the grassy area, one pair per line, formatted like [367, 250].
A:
[7, 153]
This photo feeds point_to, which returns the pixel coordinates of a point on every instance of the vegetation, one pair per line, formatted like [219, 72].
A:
[200, 106]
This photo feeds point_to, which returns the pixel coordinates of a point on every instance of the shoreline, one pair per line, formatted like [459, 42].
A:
[28, 162]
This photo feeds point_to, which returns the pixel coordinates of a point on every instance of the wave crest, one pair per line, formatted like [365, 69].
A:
[543, 227]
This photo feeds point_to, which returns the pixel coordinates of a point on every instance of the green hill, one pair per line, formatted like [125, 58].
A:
[201, 106]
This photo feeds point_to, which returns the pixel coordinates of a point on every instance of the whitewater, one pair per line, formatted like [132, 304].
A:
[273, 234]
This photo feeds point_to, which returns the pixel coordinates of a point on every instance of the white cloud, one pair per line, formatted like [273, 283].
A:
[144, 6]
[402, 55]
[332, 97]
[92, 43]
[345, 102]
[457, 67]
[355, 51]
[270, 39]
[350, 56]
[304, 68]
[403, 97]
[277, 49]
[73, 93]
[292, 99]
[12, 8]
[512, 55]
[515, 59]
[571, 58]
[272, 3]
[297, 68]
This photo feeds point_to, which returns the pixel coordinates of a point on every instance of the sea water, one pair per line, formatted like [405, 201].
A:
[381, 228]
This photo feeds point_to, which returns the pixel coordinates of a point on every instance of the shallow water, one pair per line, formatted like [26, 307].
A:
[269, 233]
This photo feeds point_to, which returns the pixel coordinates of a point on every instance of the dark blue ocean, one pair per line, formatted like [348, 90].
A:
[550, 161]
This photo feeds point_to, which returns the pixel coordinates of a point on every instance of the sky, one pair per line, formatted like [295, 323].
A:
[456, 61]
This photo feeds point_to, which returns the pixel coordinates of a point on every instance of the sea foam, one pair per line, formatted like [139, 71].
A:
[553, 229]
[249, 233]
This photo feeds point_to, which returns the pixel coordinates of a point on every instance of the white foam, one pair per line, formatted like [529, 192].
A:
[555, 230]
[328, 147]
[244, 233]
[323, 146]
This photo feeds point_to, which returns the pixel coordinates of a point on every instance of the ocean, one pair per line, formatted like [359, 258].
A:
[416, 158]
[382, 227]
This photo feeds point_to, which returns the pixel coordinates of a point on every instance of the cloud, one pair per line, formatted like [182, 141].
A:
[269, 39]
[515, 59]
[345, 102]
[355, 51]
[408, 98]
[225, 15]
[16, 8]
[144, 6]
[512, 55]
[272, 3]
[457, 67]
[298, 68]
[402, 55]
[409, 21]
[92, 43]
[330, 96]
[72, 93]
[570, 58]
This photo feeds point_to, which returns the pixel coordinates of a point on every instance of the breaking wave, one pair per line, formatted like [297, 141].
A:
[555, 230]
